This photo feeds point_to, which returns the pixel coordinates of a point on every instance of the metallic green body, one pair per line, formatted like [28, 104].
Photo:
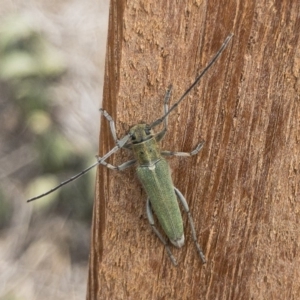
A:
[154, 173]
[157, 182]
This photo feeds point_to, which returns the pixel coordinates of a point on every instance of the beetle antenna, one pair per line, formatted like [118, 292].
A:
[119, 145]
[65, 182]
[213, 60]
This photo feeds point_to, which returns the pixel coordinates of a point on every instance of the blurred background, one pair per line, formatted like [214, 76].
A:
[51, 77]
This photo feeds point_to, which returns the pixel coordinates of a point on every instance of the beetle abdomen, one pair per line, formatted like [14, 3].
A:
[158, 184]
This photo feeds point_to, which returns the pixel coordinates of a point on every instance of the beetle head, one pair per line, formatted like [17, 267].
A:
[140, 133]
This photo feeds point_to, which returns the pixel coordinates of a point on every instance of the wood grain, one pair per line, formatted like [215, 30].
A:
[242, 188]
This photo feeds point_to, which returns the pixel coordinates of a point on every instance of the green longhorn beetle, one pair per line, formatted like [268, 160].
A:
[153, 171]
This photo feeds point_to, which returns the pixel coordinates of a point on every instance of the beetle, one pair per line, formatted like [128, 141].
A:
[153, 170]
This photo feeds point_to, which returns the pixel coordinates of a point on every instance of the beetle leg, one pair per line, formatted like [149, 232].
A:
[187, 210]
[151, 221]
[185, 154]
[166, 104]
[113, 129]
[111, 124]
[121, 167]
[161, 134]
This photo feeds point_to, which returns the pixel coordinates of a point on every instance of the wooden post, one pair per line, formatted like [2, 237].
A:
[243, 188]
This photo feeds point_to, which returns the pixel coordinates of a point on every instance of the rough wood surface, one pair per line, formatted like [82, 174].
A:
[243, 188]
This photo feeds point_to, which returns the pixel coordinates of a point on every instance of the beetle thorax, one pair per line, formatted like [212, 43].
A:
[144, 145]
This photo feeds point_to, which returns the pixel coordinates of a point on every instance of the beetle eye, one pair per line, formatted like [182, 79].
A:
[147, 131]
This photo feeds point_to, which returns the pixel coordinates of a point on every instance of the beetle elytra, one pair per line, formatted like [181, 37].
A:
[153, 170]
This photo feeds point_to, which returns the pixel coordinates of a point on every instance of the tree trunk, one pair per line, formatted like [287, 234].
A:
[242, 188]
